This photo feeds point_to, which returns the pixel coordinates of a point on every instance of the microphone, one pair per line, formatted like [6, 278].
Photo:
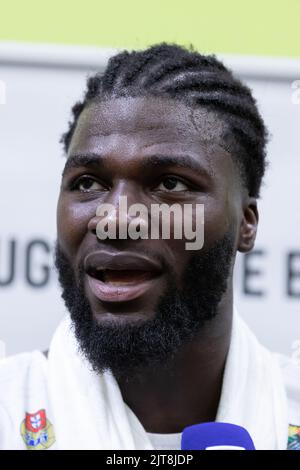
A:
[216, 436]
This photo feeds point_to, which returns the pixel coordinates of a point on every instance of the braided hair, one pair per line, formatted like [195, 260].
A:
[172, 71]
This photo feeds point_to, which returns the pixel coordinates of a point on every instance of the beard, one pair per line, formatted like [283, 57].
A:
[128, 349]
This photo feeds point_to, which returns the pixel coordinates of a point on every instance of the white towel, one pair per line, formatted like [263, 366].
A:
[88, 411]
[253, 391]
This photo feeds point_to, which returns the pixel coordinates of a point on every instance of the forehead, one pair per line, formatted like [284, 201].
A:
[154, 120]
[126, 132]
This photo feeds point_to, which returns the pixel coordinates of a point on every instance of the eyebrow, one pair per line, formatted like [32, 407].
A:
[180, 161]
[93, 160]
[87, 160]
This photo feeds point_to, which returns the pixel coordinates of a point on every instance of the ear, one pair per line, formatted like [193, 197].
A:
[248, 228]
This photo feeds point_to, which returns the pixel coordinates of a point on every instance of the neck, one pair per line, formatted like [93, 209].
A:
[188, 391]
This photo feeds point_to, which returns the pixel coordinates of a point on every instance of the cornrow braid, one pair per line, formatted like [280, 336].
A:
[172, 71]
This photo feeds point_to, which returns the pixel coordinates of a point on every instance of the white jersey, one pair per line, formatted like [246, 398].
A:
[60, 403]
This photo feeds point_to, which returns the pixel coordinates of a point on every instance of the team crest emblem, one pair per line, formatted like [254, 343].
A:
[37, 431]
[294, 437]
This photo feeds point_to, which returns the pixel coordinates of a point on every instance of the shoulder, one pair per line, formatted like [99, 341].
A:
[22, 384]
[291, 375]
[17, 367]
[20, 374]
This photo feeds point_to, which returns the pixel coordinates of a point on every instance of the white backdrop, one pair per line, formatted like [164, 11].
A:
[38, 86]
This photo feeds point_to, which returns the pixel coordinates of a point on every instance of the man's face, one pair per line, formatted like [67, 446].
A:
[152, 151]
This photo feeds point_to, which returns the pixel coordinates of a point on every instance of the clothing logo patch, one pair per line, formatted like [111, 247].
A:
[294, 437]
[37, 431]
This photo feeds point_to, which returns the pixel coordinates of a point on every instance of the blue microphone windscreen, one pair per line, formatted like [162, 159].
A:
[216, 436]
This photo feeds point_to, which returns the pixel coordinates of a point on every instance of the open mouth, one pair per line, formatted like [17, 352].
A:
[120, 277]
[117, 286]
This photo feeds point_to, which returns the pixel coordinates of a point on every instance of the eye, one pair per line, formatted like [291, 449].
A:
[171, 183]
[86, 184]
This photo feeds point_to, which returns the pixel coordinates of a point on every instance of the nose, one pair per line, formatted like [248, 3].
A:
[121, 215]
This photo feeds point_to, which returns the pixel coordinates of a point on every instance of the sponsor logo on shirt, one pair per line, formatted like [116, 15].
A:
[294, 437]
[37, 431]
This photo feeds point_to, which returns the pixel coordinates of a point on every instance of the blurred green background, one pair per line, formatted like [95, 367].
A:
[255, 27]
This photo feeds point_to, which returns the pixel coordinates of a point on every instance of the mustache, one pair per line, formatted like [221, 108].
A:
[79, 269]
[198, 261]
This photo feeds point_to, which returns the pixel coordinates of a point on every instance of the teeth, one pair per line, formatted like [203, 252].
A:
[120, 278]
[115, 278]
[119, 283]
